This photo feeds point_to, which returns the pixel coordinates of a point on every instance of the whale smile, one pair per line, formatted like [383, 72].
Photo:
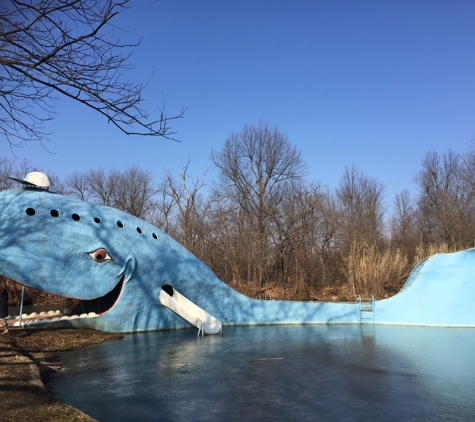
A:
[101, 305]
[88, 308]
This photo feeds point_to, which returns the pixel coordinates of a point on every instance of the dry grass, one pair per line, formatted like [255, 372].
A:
[339, 292]
[369, 270]
[423, 252]
[382, 273]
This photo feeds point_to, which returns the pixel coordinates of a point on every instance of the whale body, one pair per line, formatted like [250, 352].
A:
[116, 265]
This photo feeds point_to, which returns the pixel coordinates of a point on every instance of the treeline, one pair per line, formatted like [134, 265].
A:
[264, 229]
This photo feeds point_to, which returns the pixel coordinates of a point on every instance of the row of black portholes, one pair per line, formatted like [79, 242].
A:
[54, 213]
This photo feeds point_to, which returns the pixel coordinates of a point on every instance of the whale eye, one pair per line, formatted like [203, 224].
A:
[100, 255]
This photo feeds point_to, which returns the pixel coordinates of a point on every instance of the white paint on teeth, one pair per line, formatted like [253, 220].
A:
[52, 316]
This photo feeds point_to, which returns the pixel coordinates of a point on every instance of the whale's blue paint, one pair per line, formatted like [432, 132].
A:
[442, 293]
[47, 242]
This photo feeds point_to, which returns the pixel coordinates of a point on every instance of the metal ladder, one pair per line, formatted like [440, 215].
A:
[366, 310]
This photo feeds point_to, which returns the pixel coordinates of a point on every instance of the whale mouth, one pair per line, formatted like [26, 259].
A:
[100, 305]
[84, 309]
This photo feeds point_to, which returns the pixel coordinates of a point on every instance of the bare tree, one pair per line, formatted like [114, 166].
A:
[131, 191]
[7, 170]
[253, 165]
[185, 195]
[77, 185]
[230, 240]
[135, 192]
[403, 223]
[55, 48]
[360, 203]
[103, 186]
[161, 214]
[303, 231]
[446, 198]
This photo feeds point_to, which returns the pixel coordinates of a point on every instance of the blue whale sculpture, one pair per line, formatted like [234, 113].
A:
[116, 266]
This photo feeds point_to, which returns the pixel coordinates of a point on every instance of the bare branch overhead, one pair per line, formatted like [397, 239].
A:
[55, 48]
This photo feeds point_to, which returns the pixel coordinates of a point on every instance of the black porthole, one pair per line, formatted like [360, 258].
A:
[54, 213]
[154, 236]
[168, 289]
[120, 224]
[139, 230]
[30, 211]
[97, 220]
[75, 217]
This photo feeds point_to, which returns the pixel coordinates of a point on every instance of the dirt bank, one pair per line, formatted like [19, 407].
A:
[28, 357]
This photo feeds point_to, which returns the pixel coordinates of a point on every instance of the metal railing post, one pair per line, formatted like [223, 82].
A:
[21, 303]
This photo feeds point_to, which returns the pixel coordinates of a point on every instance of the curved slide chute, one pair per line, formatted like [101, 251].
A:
[192, 313]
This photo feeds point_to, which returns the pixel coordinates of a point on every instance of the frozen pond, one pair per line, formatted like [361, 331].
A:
[277, 373]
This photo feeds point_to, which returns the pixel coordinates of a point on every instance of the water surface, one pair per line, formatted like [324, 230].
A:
[277, 373]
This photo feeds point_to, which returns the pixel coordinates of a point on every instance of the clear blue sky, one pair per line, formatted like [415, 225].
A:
[375, 84]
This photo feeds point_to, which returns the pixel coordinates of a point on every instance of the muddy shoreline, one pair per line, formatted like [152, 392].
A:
[28, 359]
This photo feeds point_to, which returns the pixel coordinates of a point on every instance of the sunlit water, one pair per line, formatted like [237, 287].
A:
[280, 373]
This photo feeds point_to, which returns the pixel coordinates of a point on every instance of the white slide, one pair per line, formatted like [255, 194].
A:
[179, 304]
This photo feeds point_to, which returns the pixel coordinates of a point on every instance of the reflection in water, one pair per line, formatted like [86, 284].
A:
[346, 372]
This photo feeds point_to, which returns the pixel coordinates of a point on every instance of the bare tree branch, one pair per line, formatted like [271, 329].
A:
[55, 48]
[255, 164]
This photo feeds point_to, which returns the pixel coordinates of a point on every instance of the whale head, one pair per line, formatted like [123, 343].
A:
[112, 263]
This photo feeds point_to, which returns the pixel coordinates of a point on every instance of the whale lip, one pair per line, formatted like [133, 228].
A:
[100, 305]
[103, 304]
